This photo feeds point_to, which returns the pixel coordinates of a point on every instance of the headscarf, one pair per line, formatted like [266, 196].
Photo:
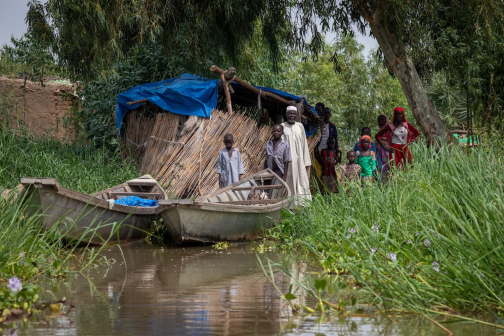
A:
[400, 109]
[362, 138]
[387, 120]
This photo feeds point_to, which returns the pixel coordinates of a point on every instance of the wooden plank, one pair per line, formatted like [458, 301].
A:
[224, 197]
[267, 187]
[231, 196]
[252, 202]
[140, 182]
[139, 193]
[51, 182]
[264, 178]
[175, 201]
[245, 192]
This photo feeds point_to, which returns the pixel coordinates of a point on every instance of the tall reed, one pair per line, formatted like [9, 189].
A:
[78, 167]
[431, 238]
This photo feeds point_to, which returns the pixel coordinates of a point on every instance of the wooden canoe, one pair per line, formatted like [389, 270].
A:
[226, 214]
[76, 213]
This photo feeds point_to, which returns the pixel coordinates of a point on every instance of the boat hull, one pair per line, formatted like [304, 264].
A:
[89, 223]
[92, 219]
[203, 223]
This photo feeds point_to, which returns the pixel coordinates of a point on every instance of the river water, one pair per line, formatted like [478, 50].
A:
[198, 290]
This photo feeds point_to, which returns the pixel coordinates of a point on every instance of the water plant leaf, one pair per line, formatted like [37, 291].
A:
[289, 296]
[320, 284]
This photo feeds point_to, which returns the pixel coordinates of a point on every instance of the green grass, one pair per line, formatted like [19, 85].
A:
[443, 220]
[78, 167]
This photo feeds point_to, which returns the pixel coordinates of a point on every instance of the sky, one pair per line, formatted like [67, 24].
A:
[13, 14]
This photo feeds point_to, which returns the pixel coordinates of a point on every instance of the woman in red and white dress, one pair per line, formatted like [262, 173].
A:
[399, 133]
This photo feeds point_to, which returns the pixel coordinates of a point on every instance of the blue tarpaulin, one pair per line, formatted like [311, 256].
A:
[186, 95]
[136, 201]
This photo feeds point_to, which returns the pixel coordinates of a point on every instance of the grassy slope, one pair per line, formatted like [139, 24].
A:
[78, 167]
[446, 213]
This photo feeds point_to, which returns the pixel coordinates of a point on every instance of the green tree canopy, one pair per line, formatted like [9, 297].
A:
[417, 37]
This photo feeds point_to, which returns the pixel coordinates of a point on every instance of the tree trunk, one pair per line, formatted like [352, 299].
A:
[401, 64]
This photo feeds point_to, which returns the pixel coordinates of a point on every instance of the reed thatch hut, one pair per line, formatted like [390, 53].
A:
[174, 129]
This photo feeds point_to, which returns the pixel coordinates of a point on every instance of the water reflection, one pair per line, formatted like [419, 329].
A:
[198, 291]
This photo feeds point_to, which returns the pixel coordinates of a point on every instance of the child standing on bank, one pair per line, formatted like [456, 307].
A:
[327, 158]
[278, 154]
[351, 171]
[366, 159]
[229, 164]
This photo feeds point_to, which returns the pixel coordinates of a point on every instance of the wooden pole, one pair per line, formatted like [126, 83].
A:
[225, 83]
[136, 101]
[309, 114]
[246, 85]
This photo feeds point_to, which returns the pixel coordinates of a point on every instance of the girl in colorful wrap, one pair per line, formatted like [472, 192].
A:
[366, 159]
[399, 134]
[383, 146]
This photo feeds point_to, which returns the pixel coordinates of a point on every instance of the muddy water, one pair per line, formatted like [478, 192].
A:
[198, 291]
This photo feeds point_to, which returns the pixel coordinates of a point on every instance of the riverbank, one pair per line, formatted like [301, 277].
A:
[428, 241]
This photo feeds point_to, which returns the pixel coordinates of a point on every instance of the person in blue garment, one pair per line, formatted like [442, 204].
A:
[367, 131]
[229, 164]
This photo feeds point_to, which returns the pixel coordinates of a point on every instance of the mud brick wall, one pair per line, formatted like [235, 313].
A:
[43, 109]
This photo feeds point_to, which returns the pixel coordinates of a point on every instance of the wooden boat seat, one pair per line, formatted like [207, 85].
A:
[248, 202]
[175, 201]
[266, 187]
[264, 178]
[140, 182]
[114, 194]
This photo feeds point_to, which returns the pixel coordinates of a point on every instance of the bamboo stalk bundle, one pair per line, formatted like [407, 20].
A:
[185, 162]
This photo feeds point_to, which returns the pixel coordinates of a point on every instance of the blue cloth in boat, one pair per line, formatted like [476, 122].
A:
[136, 201]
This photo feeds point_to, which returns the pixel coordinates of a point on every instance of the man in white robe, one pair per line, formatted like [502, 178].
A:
[294, 135]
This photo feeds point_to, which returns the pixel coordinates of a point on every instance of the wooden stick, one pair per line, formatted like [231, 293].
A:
[246, 85]
[278, 98]
[228, 94]
[249, 202]
[136, 101]
[266, 187]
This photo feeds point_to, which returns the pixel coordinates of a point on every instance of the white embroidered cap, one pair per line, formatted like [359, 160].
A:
[291, 108]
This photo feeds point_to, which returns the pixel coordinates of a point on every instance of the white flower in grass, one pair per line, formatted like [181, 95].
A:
[435, 266]
[373, 250]
[426, 243]
[352, 230]
[393, 256]
[376, 228]
[15, 284]
[349, 236]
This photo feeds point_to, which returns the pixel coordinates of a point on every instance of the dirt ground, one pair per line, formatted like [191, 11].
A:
[44, 110]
